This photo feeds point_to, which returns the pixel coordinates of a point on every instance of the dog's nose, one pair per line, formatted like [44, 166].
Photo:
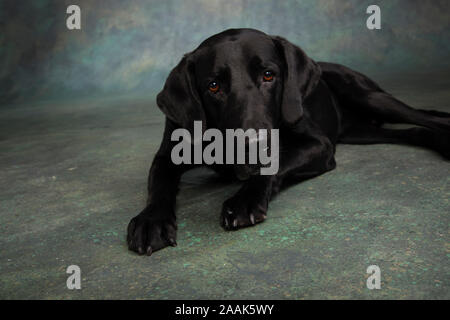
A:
[256, 139]
[257, 142]
[254, 146]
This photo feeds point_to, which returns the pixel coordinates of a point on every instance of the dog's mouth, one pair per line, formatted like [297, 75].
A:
[259, 160]
[245, 171]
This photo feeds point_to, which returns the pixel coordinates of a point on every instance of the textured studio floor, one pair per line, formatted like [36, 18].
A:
[73, 173]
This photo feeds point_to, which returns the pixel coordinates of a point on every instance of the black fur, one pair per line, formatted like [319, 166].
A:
[314, 105]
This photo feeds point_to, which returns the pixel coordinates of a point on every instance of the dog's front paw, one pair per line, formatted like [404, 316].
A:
[239, 212]
[149, 232]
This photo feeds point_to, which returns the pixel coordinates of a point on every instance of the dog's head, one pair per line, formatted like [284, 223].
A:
[240, 78]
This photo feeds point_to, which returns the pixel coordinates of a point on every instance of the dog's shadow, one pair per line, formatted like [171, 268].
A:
[201, 194]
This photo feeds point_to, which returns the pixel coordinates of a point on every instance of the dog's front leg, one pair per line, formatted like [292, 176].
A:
[155, 227]
[249, 205]
[311, 156]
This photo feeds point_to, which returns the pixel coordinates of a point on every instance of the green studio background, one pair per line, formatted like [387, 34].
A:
[130, 46]
[79, 127]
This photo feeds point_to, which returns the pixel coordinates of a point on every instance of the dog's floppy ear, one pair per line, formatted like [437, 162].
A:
[179, 99]
[301, 76]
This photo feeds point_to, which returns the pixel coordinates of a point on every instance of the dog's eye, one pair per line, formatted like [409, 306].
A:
[268, 76]
[213, 86]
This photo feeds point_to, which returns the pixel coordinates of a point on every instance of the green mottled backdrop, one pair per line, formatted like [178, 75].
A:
[129, 46]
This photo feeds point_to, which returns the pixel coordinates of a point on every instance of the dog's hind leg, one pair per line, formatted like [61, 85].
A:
[417, 136]
[436, 113]
[365, 100]
[385, 107]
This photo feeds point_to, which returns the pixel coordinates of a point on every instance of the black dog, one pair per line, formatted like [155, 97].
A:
[243, 78]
